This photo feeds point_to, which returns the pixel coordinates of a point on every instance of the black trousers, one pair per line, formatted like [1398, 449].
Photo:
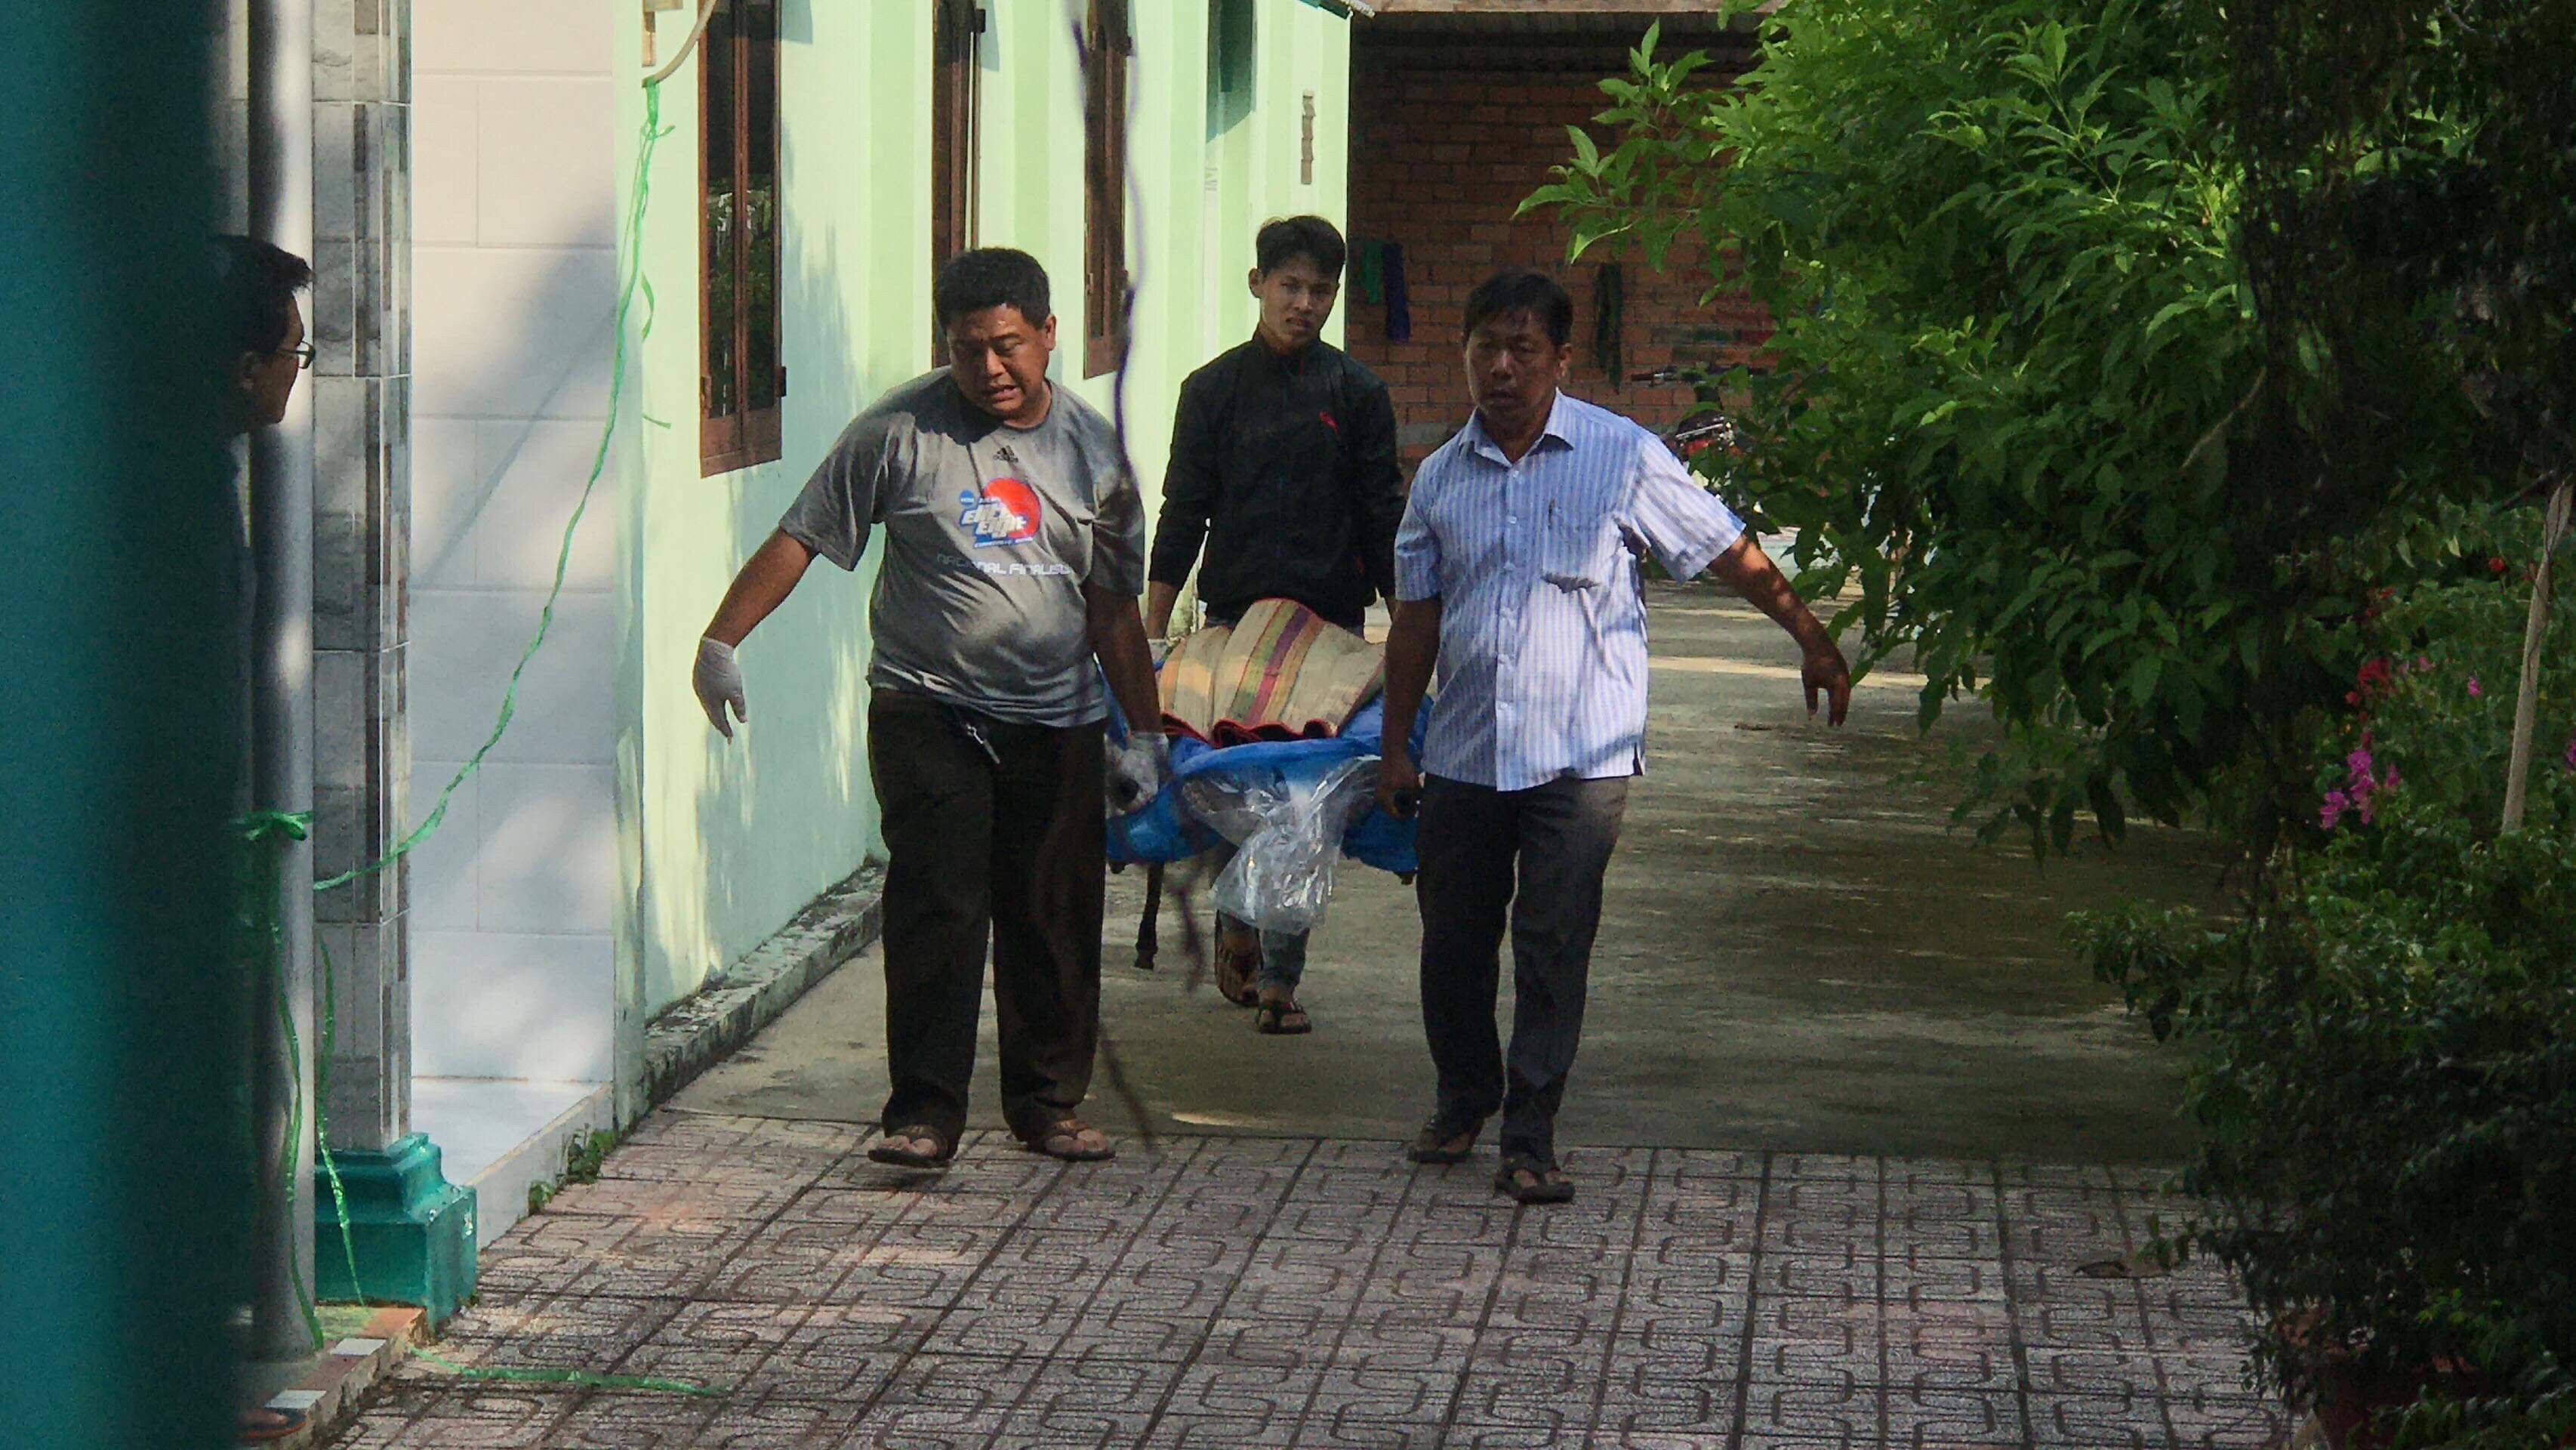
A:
[1541, 854]
[993, 834]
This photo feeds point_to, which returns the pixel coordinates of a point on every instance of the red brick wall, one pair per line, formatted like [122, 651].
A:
[1441, 156]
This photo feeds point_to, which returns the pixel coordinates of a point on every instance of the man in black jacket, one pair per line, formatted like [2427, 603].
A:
[1284, 469]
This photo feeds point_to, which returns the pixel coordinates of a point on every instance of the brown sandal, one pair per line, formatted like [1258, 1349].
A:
[1442, 1143]
[883, 1150]
[1062, 1139]
[1527, 1180]
[1282, 1019]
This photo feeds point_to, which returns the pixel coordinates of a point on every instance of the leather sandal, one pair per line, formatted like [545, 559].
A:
[1530, 1180]
[1442, 1142]
[883, 1150]
[1062, 1139]
[1282, 1019]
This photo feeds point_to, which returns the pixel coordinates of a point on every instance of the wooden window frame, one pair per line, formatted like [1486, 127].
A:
[955, 104]
[743, 436]
[1109, 44]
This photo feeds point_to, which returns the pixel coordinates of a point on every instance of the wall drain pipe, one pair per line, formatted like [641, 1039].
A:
[280, 178]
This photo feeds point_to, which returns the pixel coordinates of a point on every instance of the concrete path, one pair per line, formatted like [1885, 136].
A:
[1252, 1292]
[1797, 952]
[1799, 963]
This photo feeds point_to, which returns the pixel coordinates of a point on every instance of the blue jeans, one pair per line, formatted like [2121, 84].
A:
[1283, 956]
[1283, 953]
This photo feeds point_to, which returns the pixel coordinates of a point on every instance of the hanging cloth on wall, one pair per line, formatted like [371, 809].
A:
[1399, 313]
[1609, 306]
[1368, 259]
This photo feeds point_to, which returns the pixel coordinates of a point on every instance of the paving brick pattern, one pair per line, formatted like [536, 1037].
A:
[1255, 1292]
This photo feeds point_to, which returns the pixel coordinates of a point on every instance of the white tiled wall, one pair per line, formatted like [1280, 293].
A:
[514, 277]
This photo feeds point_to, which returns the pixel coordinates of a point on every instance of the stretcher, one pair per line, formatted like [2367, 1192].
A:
[1196, 810]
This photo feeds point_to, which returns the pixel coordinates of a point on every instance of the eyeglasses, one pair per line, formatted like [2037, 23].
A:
[303, 353]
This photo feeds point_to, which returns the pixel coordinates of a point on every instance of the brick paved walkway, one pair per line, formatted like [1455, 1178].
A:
[1257, 1292]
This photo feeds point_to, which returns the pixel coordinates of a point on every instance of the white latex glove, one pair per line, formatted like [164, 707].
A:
[718, 681]
[1137, 772]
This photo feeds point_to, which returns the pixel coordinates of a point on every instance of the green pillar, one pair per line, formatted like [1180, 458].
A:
[124, 1137]
[410, 1231]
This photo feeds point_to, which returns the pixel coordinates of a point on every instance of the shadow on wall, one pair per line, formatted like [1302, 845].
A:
[527, 870]
[768, 808]
[527, 397]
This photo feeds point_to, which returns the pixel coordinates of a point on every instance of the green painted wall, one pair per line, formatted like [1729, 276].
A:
[722, 843]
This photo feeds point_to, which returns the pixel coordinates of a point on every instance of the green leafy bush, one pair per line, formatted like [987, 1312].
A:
[2385, 1054]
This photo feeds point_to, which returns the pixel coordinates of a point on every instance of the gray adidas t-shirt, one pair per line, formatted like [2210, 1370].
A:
[991, 533]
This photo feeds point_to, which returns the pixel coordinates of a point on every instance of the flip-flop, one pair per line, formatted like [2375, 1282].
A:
[1432, 1144]
[1548, 1183]
[1062, 1139]
[1282, 1019]
[885, 1151]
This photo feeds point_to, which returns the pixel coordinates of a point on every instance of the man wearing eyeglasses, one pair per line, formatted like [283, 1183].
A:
[265, 331]
[262, 348]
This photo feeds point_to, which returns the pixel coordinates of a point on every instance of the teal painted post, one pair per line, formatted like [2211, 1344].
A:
[410, 1231]
[123, 1134]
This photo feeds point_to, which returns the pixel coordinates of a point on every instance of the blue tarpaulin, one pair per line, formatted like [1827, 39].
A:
[1166, 830]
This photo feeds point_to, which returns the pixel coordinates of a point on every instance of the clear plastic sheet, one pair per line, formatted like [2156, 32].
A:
[1287, 827]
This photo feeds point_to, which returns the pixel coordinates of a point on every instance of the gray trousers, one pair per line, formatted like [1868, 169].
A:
[1540, 854]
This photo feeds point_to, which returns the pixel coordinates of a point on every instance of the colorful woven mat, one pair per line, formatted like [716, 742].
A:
[1282, 673]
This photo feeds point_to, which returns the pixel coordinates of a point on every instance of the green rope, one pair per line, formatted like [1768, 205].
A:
[634, 271]
[322, 1108]
[263, 834]
[349, 1251]
[262, 825]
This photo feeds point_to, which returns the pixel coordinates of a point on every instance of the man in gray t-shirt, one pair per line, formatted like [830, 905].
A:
[991, 533]
[1014, 553]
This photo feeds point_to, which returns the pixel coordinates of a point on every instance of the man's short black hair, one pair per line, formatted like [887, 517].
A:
[987, 277]
[257, 292]
[1284, 239]
[1522, 290]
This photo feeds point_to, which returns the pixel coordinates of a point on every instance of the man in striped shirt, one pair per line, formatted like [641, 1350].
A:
[1516, 574]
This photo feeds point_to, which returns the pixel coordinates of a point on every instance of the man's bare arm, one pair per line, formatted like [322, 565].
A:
[1751, 573]
[1412, 649]
[1118, 640]
[1160, 600]
[767, 578]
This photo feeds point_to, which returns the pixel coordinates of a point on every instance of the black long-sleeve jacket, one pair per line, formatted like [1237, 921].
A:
[1285, 469]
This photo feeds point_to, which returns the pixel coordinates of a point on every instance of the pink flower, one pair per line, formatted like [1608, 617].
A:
[2423, 664]
[2474, 691]
[2358, 763]
[2571, 752]
[2330, 814]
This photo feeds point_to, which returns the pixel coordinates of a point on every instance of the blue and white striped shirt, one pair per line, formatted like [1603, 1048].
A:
[1543, 613]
